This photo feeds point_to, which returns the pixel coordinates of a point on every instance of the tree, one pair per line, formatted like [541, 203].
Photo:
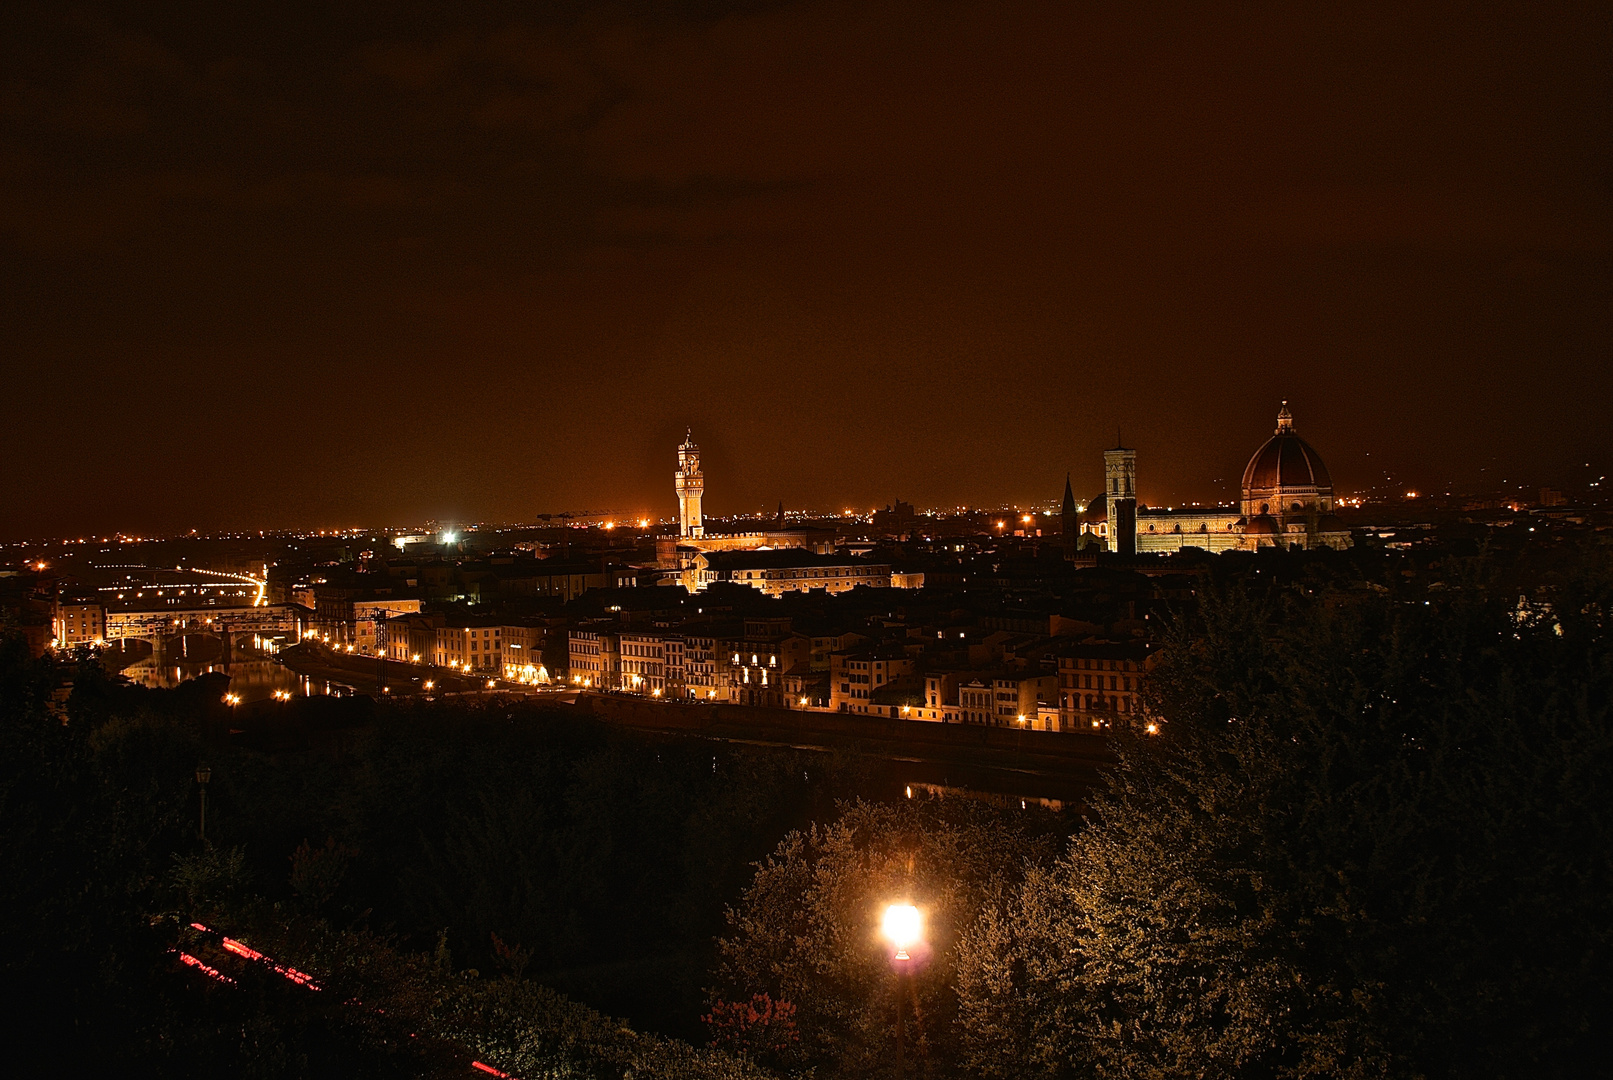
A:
[1373, 839]
[807, 929]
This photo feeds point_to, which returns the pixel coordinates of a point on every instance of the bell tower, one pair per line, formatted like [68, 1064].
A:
[1120, 484]
[691, 484]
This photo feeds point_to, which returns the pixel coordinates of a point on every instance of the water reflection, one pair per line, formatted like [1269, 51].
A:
[252, 677]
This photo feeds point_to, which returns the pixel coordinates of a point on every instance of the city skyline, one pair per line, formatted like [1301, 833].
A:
[1085, 475]
[485, 265]
[765, 539]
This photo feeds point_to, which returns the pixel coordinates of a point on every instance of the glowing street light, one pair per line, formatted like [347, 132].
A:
[902, 926]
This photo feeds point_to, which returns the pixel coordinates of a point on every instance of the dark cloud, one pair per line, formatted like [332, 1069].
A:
[489, 260]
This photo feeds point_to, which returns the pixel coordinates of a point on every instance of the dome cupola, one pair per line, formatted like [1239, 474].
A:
[1286, 477]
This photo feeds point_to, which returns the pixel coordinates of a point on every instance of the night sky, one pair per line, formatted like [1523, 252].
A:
[370, 263]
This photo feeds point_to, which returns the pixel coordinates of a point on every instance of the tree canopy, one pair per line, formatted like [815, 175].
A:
[1373, 839]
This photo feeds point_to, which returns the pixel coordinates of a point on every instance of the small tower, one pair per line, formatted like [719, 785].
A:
[691, 484]
[1120, 489]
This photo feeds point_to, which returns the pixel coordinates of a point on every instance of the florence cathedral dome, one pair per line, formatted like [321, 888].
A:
[1285, 480]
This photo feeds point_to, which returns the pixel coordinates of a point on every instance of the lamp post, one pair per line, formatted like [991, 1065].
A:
[902, 926]
[203, 775]
[380, 651]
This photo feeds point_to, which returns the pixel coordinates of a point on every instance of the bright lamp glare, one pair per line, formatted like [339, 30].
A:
[902, 925]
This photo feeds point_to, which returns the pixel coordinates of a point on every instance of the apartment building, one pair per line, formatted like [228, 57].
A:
[81, 623]
[1100, 683]
[854, 676]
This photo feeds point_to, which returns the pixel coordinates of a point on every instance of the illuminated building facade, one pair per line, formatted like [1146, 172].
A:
[478, 647]
[1287, 502]
[1101, 682]
[80, 624]
[999, 699]
[690, 483]
[1120, 487]
[358, 628]
[776, 572]
[854, 678]
[680, 552]
[595, 659]
[523, 654]
[652, 663]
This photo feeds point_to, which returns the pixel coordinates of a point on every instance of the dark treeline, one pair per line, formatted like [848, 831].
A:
[1374, 838]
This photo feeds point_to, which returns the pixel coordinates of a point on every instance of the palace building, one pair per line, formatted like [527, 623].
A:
[1287, 502]
[693, 552]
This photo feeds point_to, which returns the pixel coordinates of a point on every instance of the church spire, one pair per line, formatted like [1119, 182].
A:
[1068, 524]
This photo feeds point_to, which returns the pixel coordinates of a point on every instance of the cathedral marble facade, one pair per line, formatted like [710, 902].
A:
[1287, 501]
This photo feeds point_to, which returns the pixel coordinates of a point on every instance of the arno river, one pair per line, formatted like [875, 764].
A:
[253, 675]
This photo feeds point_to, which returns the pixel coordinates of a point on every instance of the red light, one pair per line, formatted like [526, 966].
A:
[298, 977]
[489, 1069]
[211, 972]
[301, 978]
[242, 950]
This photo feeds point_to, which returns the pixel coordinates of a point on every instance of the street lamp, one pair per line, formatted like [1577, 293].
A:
[203, 775]
[903, 926]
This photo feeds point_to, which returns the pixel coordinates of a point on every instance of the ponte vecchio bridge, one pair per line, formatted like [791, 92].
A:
[229, 624]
